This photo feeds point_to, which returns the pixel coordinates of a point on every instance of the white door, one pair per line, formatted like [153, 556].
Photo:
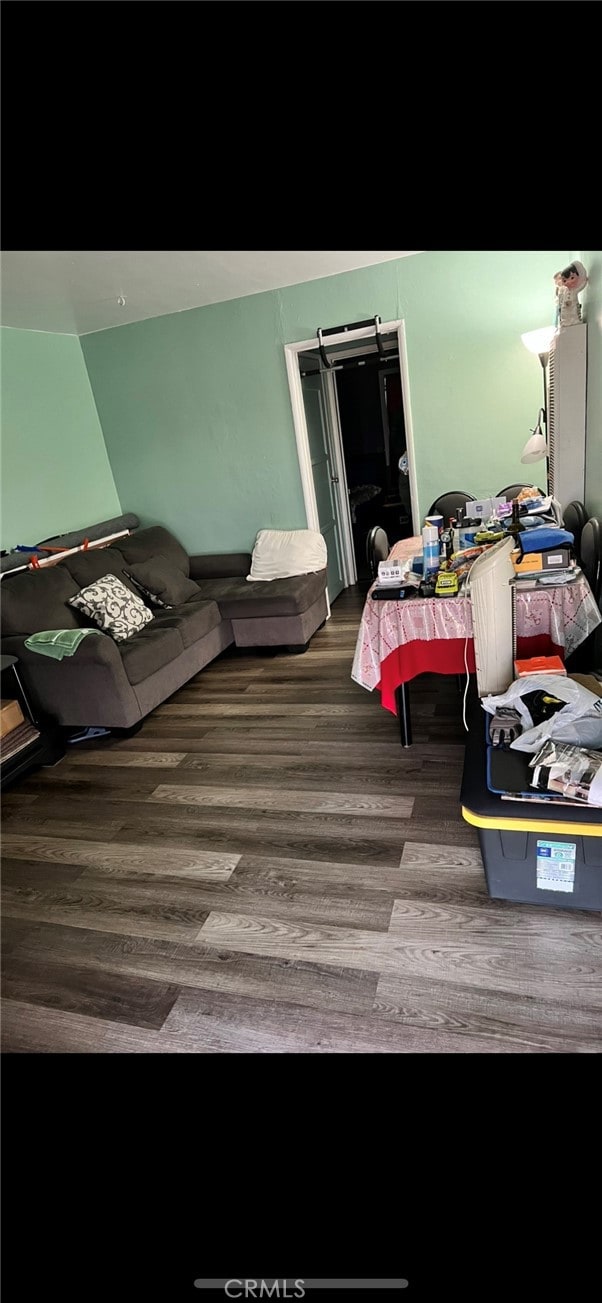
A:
[325, 478]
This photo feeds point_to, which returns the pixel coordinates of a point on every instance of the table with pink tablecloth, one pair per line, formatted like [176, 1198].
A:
[398, 640]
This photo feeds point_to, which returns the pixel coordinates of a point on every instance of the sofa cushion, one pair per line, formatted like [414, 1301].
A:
[113, 607]
[239, 600]
[149, 651]
[88, 567]
[161, 582]
[35, 600]
[155, 541]
[192, 619]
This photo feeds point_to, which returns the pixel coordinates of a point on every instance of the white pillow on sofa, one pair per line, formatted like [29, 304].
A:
[279, 553]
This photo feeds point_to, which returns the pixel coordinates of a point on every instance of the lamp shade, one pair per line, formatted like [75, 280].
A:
[536, 447]
[538, 341]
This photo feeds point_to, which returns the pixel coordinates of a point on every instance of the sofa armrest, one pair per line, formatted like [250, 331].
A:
[91, 687]
[96, 650]
[220, 565]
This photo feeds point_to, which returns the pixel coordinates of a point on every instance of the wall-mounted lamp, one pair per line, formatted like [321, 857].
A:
[539, 341]
[536, 447]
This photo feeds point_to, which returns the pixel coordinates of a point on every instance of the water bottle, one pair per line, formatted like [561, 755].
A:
[430, 548]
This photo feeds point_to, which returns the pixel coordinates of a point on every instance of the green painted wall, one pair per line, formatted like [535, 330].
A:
[195, 406]
[592, 304]
[55, 470]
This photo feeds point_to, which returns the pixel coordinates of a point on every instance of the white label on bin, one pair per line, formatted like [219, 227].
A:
[556, 866]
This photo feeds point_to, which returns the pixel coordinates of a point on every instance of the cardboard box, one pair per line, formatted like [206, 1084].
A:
[529, 564]
[11, 716]
[535, 563]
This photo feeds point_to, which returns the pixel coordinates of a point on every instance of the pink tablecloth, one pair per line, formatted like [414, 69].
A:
[398, 640]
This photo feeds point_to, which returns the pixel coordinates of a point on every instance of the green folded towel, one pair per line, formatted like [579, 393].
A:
[58, 642]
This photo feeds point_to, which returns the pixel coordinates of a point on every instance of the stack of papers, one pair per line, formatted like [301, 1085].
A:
[553, 578]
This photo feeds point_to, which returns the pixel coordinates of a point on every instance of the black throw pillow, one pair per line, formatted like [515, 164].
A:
[161, 583]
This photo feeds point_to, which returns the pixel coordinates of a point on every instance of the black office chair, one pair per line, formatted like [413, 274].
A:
[513, 490]
[574, 517]
[447, 505]
[591, 554]
[587, 658]
[377, 549]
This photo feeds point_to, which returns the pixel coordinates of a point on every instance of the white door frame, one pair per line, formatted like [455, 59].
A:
[303, 451]
[342, 491]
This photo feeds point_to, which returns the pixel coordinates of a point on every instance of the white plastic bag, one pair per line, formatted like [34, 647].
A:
[579, 721]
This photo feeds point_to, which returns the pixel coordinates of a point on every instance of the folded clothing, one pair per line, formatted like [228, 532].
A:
[544, 537]
[58, 642]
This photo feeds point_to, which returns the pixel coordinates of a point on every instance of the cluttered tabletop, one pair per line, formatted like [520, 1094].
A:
[418, 614]
[438, 562]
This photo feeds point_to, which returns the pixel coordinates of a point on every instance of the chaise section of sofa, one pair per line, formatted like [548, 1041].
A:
[272, 613]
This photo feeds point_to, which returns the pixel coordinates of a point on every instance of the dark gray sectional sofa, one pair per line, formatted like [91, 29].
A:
[115, 684]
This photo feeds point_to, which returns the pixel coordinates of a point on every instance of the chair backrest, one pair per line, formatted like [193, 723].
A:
[448, 504]
[591, 552]
[377, 549]
[512, 491]
[574, 517]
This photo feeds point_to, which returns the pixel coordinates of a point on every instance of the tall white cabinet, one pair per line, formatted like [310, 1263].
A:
[567, 387]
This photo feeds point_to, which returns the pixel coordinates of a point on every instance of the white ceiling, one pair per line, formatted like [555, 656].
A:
[75, 292]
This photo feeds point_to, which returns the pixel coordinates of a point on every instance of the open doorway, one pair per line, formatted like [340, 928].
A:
[351, 409]
[374, 448]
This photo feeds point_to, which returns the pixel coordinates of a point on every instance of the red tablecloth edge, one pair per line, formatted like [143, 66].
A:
[444, 657]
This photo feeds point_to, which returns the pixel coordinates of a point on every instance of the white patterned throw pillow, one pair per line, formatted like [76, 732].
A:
[112, 607]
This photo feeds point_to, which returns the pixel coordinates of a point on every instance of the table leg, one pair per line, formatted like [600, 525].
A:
[402, 697]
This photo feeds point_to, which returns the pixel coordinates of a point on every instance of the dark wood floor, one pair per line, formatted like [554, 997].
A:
[264, 869]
